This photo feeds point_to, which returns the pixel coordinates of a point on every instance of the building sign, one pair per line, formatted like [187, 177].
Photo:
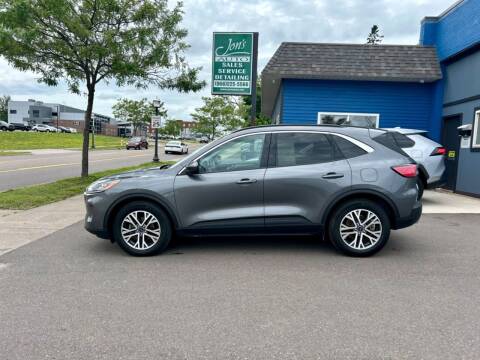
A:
[232, 63]
[157, 122]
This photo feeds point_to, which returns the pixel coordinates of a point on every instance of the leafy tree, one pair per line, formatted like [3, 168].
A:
[247, 101]
[84, 42]
[136, 112]
[172, 127]
[219, 113]
[4, 107]
[374, 38]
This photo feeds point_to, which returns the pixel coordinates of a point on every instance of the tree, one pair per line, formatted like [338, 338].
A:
[4, 107]
[84, 42]
[374, 38]
[218, 113]
[136, 112]
[172, 127]
[247, 101]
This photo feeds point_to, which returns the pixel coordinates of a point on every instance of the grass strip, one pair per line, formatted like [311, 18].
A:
[28, 197]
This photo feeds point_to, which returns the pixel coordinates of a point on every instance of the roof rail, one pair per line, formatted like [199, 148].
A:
[303, 125]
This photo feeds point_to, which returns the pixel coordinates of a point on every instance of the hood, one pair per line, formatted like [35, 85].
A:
[149, 172]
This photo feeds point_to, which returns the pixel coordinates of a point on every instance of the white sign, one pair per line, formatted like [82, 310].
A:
[157, 122]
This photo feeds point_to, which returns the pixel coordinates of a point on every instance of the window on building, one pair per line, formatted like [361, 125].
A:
[35, 113]
[476, 131]
[13, 111]
[352, 119]
[294, 149]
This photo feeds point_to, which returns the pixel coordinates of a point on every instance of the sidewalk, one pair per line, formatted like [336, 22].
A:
[20, 227]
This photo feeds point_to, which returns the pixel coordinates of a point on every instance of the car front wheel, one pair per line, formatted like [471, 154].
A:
[359, 228]
[142, 229]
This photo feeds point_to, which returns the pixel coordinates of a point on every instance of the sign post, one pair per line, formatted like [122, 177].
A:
[156, 124]
[234, 66]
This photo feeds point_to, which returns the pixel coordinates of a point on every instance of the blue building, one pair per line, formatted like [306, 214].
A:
[433, 86]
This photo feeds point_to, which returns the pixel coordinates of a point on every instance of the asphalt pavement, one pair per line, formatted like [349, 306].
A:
[50, 165]
[72, 296]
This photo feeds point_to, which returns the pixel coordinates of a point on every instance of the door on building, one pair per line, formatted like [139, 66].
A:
[451, 141]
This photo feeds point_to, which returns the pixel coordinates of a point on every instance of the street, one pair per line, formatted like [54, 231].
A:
[45, 166]
[72, 296]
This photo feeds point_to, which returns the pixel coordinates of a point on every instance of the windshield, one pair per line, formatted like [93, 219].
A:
[135, 139]
[173, 143]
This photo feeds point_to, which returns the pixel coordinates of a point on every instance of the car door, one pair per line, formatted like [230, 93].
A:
[304, 174]
[228, 190]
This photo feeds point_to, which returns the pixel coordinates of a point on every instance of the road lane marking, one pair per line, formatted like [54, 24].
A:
[69, 164]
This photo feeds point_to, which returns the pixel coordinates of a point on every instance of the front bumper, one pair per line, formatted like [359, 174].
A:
[94, 217]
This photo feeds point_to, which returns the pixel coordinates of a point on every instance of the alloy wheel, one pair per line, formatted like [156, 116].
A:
[140, 230]
[360, 229]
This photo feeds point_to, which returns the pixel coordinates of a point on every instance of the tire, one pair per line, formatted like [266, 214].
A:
[379, 230]
[129, 245]
[3, 128]
[420, 188]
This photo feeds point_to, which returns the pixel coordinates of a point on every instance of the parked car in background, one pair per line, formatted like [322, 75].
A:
[4, 126]
[429, 155]
[137, 142]
[204, 140]
[72, 130]
[343, 182]
[177, 147]
[64, 129]
[21, 126]
[43, 128]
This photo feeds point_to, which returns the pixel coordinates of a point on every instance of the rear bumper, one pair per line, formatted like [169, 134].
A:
[413, 218]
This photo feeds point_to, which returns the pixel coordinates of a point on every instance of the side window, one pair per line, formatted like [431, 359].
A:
[347, 148]
[302, 149]
[244, 153]
[402, 140]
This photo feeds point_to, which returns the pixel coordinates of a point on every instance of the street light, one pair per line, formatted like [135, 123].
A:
[156, 104]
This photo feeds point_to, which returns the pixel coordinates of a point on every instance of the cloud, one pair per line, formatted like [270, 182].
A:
[276, 20]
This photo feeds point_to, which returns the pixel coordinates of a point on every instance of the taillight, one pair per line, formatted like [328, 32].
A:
[438, 151]
[408, 170]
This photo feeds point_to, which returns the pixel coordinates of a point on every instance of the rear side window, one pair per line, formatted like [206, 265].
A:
[292, 149]
[402, 140]
[347, 148]
[386, 139]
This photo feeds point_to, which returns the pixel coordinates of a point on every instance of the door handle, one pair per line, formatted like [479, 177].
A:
[246, 181]
[332, 175]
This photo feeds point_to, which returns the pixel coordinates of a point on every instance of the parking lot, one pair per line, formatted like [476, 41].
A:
[70, 295]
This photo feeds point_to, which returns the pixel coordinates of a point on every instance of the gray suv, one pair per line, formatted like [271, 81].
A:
[351, 184]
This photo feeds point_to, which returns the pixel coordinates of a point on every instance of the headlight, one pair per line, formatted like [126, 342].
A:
[102, 185]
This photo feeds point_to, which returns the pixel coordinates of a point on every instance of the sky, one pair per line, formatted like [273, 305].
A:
[339, 21]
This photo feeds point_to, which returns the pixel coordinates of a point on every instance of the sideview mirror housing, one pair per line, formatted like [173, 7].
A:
[192, 168]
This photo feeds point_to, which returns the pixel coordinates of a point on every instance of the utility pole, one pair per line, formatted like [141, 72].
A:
[253, 113]
[93, 132]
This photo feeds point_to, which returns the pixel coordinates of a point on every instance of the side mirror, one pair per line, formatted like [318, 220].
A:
[192, 168]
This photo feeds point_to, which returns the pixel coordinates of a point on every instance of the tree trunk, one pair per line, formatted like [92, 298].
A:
[86, 130]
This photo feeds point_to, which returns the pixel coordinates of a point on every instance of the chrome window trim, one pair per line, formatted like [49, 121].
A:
[360, 144]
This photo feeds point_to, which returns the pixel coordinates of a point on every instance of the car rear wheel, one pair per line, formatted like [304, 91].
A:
[142, 229]
[359, 228]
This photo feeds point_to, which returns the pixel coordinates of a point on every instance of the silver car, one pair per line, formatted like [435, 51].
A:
[429, 155]
[351, 185]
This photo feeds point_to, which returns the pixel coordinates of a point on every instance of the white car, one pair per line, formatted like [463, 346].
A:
[44, 128]
[429, 155]
[73, 130]
[177, 147]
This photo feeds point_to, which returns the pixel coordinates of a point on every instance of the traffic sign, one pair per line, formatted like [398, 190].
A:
[157, 122]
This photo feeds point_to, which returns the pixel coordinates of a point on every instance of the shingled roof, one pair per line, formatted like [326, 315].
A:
[402, 63]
